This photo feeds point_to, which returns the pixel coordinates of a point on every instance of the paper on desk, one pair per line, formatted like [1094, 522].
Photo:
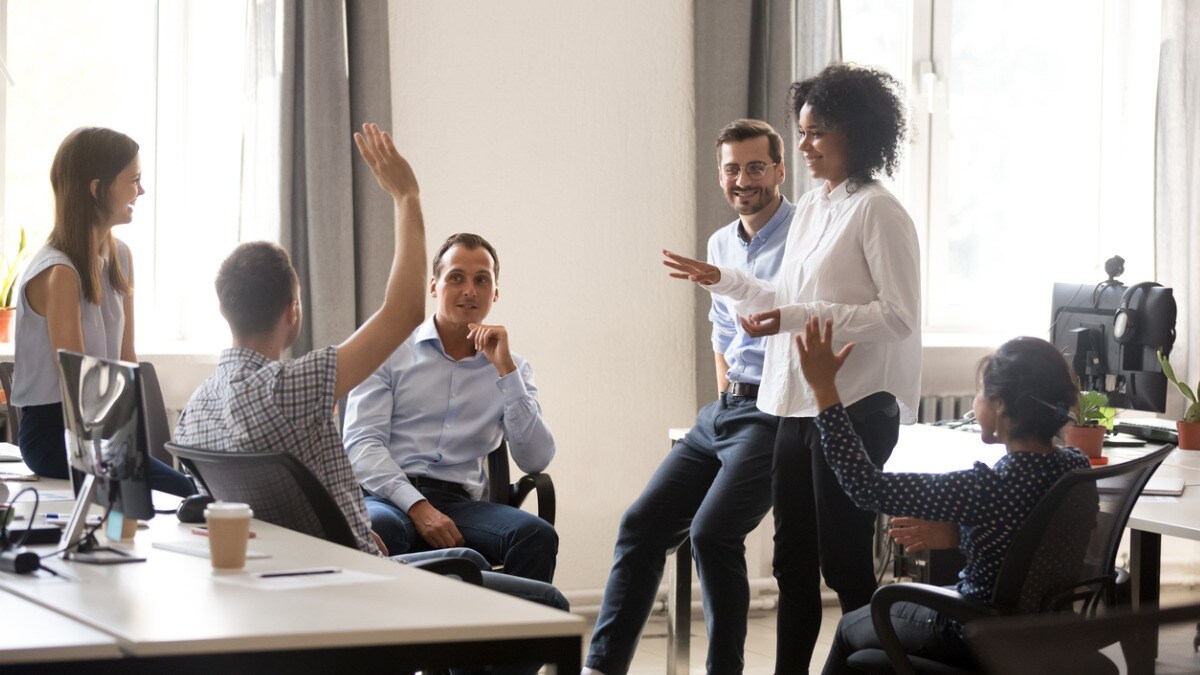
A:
[1157, 499]
[199, 548]
[10, 453]
[253, 580]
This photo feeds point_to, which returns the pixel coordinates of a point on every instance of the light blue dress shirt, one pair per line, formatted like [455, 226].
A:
[760, 257]
[424, 414]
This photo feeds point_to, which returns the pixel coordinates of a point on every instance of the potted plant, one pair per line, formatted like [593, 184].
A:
[8, 283]
[1091, 422]
[1189, 426]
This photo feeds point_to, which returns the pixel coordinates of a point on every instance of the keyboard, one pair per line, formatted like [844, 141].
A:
[1147, 432]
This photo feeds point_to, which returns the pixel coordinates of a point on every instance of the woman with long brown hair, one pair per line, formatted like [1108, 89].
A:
[77, 292]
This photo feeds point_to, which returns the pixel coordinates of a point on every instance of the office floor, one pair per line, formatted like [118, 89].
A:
[1175, 656]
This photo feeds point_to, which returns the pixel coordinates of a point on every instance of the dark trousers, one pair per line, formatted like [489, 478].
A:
[818, 530]
[40, 438]
[715, 484]
[922, 632]
[526, 545]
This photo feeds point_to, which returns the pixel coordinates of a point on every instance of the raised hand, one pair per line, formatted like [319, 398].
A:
[391, 170]
[818, 362]
[761, 324]
[691, 269]
[493, 342]
[917, 535]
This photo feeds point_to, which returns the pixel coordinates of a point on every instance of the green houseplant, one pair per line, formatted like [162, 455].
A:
[1092, 420]
[1189, 426]
[11, 269]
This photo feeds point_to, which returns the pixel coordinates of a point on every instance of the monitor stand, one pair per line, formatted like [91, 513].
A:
[75, 541]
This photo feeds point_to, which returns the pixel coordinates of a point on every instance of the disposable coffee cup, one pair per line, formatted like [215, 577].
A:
[228, 534]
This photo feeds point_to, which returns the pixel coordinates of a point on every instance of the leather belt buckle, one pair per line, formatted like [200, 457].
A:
[742, 389]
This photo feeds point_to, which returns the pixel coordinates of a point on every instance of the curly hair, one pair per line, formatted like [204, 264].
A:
[864, 102]
[1035, 383]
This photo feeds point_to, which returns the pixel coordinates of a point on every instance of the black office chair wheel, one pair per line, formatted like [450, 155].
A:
[1196, 640]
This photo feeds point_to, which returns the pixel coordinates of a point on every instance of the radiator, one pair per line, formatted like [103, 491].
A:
[936, 407]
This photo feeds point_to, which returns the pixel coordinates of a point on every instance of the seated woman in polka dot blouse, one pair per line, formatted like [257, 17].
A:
[1025, 393]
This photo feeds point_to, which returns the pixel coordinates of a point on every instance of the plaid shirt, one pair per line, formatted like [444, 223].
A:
[254, 404]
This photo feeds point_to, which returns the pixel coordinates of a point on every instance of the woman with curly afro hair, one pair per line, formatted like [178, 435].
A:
[852, 258]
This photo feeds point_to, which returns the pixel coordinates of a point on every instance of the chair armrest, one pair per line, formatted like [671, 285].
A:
[544, 486]
[452, 567]
[947, 602]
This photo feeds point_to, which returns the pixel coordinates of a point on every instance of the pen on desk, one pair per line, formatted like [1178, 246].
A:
[299, 573]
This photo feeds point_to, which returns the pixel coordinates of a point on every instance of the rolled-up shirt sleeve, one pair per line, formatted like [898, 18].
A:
[529, 439]
[367, 435]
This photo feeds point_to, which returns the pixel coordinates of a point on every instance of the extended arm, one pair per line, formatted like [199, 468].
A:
[404, 300]
[745, 292]
[956, 497]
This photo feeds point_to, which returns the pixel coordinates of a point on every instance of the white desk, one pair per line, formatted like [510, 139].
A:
[175, 611]
[30, 633]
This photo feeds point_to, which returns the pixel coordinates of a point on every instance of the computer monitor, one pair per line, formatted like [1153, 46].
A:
[105, 433]
[1111, 333]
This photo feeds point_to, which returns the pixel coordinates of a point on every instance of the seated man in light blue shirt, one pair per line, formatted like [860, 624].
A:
[716, 482]
[419, 429]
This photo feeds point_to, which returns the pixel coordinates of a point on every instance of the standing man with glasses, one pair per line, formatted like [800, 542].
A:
[716, 482]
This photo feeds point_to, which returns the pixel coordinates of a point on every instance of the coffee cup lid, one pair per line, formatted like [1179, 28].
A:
[228, 510]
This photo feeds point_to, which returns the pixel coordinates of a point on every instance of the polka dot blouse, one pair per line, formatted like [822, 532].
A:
[988, 503]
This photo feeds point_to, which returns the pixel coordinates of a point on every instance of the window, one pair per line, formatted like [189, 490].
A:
[1033, 152]
[172, 75]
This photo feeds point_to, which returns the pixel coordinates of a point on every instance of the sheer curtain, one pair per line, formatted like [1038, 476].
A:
[1177, 174]
[335, 222]
[747, 54]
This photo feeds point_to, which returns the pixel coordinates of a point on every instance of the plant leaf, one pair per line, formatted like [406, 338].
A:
[1187, 392]
[1166, 367]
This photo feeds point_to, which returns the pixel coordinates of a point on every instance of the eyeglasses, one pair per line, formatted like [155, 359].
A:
[754, 170]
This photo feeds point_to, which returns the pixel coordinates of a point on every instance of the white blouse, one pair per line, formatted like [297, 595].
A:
[852, 258]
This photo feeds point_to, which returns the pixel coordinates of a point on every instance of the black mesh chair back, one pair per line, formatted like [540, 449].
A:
[158, 429]
[6, 379]
[1065, 553]
[280, 489]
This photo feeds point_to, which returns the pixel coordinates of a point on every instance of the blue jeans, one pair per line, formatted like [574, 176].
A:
[525, 589]
[715, 484]
[40, 438]
[922, 632]
[526, 545]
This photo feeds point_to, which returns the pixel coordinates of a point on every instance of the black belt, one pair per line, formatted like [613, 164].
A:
[423, 482]
[742, 389]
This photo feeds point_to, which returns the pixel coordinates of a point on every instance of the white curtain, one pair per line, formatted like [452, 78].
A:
[1177, 180]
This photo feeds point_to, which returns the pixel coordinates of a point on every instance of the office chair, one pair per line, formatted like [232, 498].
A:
[282, 491]
[1052, 644]
[1062, 559]
[157, 427]
[6, 378]
[500, 491]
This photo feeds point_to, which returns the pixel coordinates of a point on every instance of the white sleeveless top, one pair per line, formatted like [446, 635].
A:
[35, 370]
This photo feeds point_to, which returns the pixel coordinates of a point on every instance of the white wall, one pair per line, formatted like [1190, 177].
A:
[562, 133]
